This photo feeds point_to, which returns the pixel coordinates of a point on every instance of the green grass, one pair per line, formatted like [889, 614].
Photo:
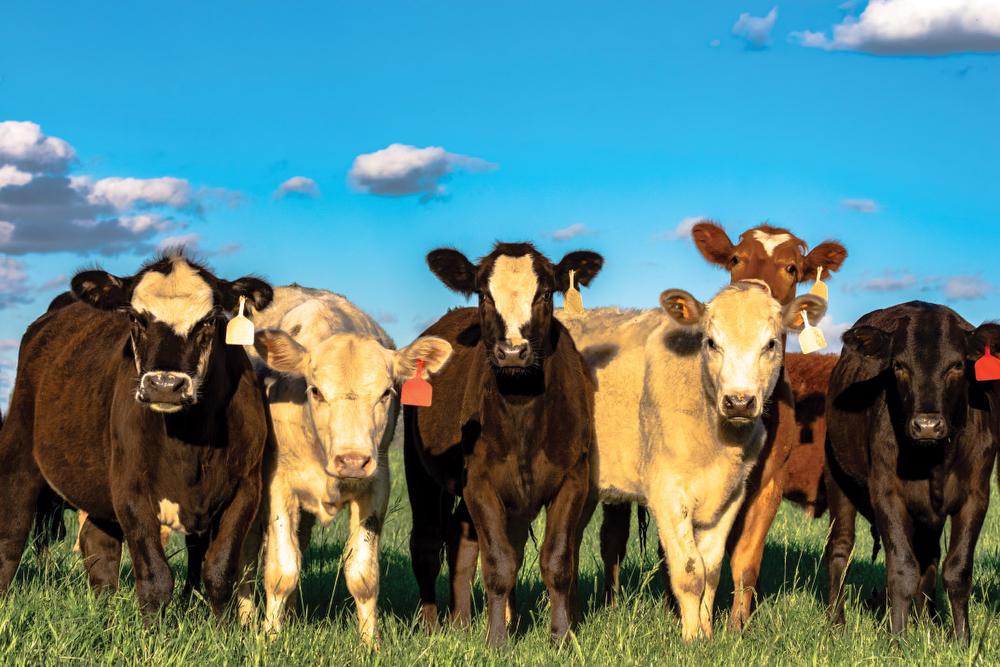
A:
[50, 615]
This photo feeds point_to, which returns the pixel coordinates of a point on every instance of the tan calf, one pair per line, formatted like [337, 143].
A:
[331, 381]
[679, 397]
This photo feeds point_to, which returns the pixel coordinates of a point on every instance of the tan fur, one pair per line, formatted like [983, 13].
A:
[179, 299]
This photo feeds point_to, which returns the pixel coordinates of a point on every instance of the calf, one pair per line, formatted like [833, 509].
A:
[333, 403]
[686, 391]
[910, 443]
[509, 432]
[130, 406]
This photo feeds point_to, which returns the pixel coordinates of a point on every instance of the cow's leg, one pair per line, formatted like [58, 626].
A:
[518, 529]
[712, 546]
[902, 573]
[673, 512]
[463, 558]
[559, 557]
[196, 546]
[222, 560]
[81, 518]
[614, 543]
[307, 521]
[154, 582]
[839, 545]
[361, 567]
[20, 485]
[49, 525]
[499, 558]
[957, 571]
[282, 558]
[249, 559]
[927, 548]
[431, 513]
[101, 548]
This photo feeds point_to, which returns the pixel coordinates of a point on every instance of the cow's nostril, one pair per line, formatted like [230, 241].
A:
[523, 353]
[500, 353]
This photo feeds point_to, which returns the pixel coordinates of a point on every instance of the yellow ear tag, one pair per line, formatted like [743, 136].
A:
[819, 288]
[239, 331]
[810, 338]
[572, 299]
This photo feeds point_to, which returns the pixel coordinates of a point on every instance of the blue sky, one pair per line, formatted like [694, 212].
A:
[618, 121]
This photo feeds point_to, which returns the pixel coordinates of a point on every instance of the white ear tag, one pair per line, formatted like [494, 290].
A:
[810, 338]
[819, 288]
[239, 331]
[572, 299]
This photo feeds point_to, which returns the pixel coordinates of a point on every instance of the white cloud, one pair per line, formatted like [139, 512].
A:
[126, 193]
[756, 30]
[914, 27]
[11, 175]
[191, 241]
[861, 205]
[143, 222]
[890, 283]
[13, 282]
[567, 233]
[297, 185]
[967, 288]
[23, 144]
[399, 170]
[682, 231]
[6, 232]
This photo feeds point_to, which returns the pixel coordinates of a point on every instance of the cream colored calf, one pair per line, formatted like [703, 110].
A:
[331, 379]
[679, 398]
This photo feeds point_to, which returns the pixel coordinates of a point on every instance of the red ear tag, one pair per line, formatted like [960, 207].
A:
[417, 391]
[987, 366]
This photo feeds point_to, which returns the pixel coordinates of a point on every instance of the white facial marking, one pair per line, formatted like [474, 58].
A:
[513, 284]
[770, 241]
[179, 299]
[170, 516]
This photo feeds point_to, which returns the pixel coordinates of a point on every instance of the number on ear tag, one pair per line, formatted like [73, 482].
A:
[810, 338]
[572, 299]
[819, 288]
[987, 366]
[417, 391]
[239, 331]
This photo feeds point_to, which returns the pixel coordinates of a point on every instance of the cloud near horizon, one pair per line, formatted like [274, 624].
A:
[570, 232]
[297, 186]
[755, 31]
[861, 205]
[400, 170]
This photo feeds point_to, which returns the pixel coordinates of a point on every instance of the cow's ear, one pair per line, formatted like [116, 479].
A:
[281, 352]
[682, 307]
[791, 314]
[585, 263]
[713, 243]
[433, 350]
[869, 341]
[102, 290]
[453, 269]
[829, 255]
[984, 334]
[256, 291]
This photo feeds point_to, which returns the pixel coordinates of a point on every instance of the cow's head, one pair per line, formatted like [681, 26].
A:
[351, 386]
[929, 357]
[741, 352]
[177, 311]
[515, 284]
[767, 253]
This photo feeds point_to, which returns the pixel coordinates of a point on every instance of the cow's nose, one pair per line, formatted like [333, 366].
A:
[166, 382]
[510, 354]
[928, 426]
[353, 465]
[739, 406]
[165, 388]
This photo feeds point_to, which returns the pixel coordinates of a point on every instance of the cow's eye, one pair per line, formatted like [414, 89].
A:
[386, 395]
[710, 344]
[316, 394]
[958, 366]
[898, 368]
[772, 345]
[792, 270]
[734, 260]
[136, 319]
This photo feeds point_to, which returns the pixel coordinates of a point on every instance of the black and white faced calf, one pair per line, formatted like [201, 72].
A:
[131, 407]
[510, 432]
[911, 442]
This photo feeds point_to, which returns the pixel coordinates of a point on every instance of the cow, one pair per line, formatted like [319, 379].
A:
[682, 391]
[910, 443]
[510, 431]
[331, 378]
[129, 405]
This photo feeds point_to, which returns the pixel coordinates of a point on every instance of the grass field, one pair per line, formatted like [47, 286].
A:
[51, 617]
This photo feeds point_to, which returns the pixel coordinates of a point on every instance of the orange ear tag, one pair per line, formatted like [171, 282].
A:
[819, 288]
[239, 331]
[810, 338]
[572, 299]
[987, 366]
[417, 391]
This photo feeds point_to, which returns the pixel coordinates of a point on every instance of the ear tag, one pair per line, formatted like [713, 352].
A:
[572, 299]
[239, 331]
[987, 366]
[819, 288]
[417, 391]
[810, 338]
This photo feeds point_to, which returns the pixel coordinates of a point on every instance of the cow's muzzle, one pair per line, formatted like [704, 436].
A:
[353, 465]
[166, 391]
[928, 426]
[740, 407]
[512, 355]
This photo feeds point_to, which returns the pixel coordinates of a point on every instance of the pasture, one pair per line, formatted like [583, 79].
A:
[51, 617]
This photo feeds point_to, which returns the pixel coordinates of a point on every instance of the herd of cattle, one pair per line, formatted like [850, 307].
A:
[130, 406]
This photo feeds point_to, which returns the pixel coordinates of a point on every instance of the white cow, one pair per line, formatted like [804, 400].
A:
[679, 398]
[332, 379]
